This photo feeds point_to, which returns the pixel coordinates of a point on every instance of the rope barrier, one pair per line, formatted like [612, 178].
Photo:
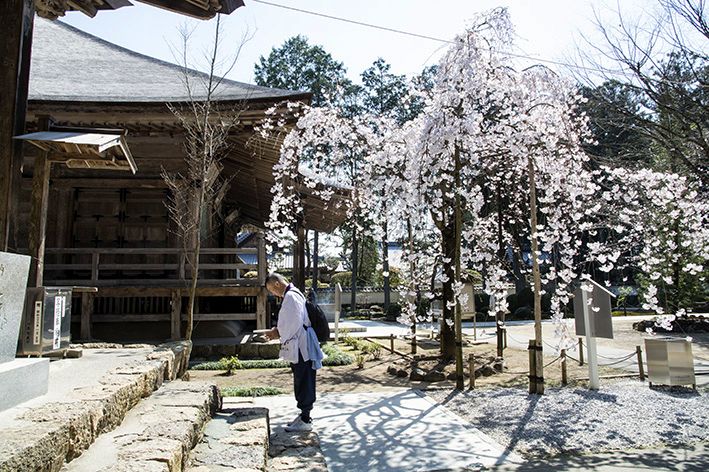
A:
[619, 361]
[550, 363]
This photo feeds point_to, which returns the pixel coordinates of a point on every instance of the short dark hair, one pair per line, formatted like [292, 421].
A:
[276, 277]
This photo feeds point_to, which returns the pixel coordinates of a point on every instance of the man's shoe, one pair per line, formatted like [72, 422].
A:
[299, 426]
[291, 423]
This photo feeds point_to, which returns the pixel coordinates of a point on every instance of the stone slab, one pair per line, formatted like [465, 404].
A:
[22, 380]
[14, 270]
[389, 432]
[158, 433]
[236, 439]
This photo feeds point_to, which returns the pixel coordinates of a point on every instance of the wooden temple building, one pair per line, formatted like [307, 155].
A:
[104, 215]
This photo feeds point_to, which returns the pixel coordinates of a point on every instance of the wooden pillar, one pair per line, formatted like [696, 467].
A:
[299, 258]
[262, 260]
[38, 210]
[315, 263]
[87, 311]
[16, 23]
[176, 316]
[262, 320]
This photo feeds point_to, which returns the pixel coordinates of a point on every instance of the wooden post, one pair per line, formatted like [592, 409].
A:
[413, 344]
[504, 334]
[39, 202]
[564, 379]
[500, 341]
[176, 315]
[94, 267]
[299, 258]
[580, 351]
[391, 342]
[261, 300]
[641, 368]
[87, 310]
[314, 265]
[471, 371]
[16, 24]
[262, 260]
[338, 310]
[593, 378]
[539, 363]
[458, 318]
[532, 367]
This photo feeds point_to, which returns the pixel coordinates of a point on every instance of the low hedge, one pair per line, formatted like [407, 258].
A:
[250, 391]
[335, 357]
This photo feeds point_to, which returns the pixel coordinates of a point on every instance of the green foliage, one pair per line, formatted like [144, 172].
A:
[296, 65]
[360, 360]
[342, 278]
[373, 349]
[230, 364]
[384, 93]
[250, 391]
[395, 278]
[335, 357]
[393, 312]
[309, 284]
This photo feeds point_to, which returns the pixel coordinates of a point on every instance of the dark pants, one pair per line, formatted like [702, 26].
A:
[304, 386]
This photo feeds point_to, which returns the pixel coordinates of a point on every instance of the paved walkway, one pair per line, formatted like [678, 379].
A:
[68, 375]
[386, 432]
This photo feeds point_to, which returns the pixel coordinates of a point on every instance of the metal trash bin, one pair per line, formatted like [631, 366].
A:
[46, 324]
[670, 361]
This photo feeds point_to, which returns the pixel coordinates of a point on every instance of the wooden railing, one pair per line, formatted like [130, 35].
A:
[151, 266]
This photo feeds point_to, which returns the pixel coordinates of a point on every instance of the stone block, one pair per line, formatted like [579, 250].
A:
[22, 380]
[249, 351]
[224, 350]
[14, 269]
[269, 350]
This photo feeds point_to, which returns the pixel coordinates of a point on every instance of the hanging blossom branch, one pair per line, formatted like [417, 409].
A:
[324, 152]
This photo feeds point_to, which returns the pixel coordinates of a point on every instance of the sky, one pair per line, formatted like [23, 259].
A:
[549, 29]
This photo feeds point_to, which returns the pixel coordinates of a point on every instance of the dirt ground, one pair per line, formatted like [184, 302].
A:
[374, 375]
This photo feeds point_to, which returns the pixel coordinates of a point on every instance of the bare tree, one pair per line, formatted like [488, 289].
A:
[661, 61]
[198, 189]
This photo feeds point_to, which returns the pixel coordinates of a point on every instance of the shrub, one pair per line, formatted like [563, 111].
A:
[335, 356]
[343, 278]
[250, 391]
[360, 360]
[373, 349]
[309, 284]
[230, 364]
[393, 312]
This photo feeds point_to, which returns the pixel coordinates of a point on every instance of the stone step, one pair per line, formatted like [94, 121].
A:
[236, 439]
[44, 437]
[156, 435]
[295, 452]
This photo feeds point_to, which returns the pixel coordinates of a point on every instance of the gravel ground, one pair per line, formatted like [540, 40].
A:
[621, 415]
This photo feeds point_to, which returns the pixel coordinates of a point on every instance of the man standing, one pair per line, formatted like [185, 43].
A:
[299, 346]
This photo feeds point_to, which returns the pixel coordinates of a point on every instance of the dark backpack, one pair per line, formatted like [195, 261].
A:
[318, 320]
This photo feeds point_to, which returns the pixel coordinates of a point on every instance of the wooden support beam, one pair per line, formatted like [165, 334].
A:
[16, 24]
[175, 316]
[262, 321]
[262, 260]
[87, 309]
[299, 258]
[39, 202]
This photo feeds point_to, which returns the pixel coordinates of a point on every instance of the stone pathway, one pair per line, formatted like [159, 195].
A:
[385, 431]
